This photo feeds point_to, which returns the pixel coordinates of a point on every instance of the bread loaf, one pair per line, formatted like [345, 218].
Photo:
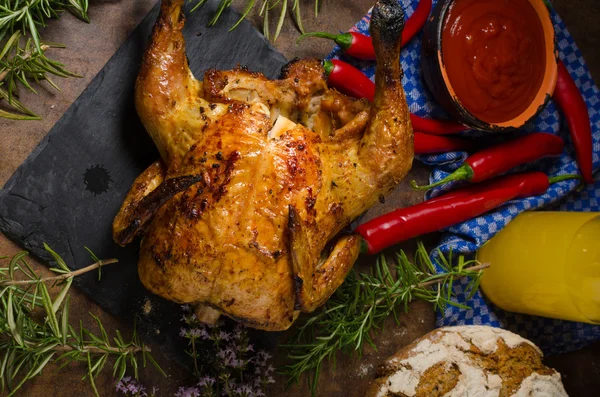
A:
[474, 361]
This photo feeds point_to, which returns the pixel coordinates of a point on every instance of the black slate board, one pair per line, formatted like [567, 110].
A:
[68, 191]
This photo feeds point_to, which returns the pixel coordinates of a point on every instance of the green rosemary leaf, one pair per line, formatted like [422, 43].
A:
[13, 263]
[27, 270]
[198, 4]
[473, 287]
[298, 16]
[10, 317]
[153, 361]
[119, 339]
[99, 366]
[90, 375]
[61, 295]
[28, 114]
[5, 356]
[67, 358]
[40, 365]
[96, 260]
[59, 261]
[81, 333]
[273, 5]
[33, 31]
[222, 6]
[35, 298]
[134, 364]
[15, 389]
[50, 314]
[263, 8]
[93, 337]
[249, 6]
[20, 360]
[64, 321]
[102, 330]
[79, 8]
[122, 366]
[281, 19]
[10, 44]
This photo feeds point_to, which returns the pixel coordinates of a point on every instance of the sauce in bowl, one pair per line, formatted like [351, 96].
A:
[494, 54]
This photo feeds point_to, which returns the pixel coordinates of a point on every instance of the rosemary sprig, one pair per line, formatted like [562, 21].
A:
[265, 9]
[27, 344]
[26, 16]
[358, 308]
[20, 64]
[23, 58]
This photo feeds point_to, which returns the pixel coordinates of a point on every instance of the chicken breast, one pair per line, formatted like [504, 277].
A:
[244, 214]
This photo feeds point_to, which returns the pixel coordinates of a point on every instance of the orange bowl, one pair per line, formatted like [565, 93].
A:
[440, 81]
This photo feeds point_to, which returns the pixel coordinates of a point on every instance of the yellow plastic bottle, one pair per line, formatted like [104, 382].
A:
[546, 264]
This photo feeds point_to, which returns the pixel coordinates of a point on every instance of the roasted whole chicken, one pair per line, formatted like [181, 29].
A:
[244, 213]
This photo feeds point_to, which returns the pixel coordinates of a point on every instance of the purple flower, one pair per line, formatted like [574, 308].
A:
[189, 319]
[244, 390]
[237, 333]
[224, 336]
[250, 348]
[130, 387]
[186, 308]
[120, 386]
[206, 381]
[188, 392]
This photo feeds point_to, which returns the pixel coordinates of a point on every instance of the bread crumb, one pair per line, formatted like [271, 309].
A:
[399, 332]
[147, 308]
[364, 370]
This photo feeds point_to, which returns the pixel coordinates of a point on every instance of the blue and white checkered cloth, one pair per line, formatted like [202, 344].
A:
[553, 336]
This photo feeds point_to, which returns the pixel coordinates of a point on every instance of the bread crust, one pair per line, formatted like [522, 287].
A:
[467, 360]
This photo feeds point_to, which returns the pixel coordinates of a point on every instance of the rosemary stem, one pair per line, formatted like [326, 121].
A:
[98, 350]
[424, 285]
[471, 269]
[24, 58]
[64, 276]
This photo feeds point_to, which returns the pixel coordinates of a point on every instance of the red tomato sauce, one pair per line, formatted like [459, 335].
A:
[494, 55]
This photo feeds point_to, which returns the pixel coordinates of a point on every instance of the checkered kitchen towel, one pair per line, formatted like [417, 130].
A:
[553, 336]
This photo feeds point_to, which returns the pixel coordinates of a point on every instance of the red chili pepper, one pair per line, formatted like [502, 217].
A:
[351, 81]
[503, 157]
[360, 46]
[567, 96]
[416, 21]
[452, 208]
[348, 79]
[429, 144]
[436, 127]
[355, 44]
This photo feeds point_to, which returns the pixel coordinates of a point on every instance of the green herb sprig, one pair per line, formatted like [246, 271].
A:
[26, 16]
[358, 308]
[23, 56]
[35, 328]
[266, 9]
[21, 63]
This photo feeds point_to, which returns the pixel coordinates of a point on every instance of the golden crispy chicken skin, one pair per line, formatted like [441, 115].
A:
[243, 214]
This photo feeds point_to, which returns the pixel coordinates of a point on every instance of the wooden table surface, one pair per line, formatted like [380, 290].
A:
[89, 46]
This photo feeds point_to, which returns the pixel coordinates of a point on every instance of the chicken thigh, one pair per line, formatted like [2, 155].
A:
[246, 210]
